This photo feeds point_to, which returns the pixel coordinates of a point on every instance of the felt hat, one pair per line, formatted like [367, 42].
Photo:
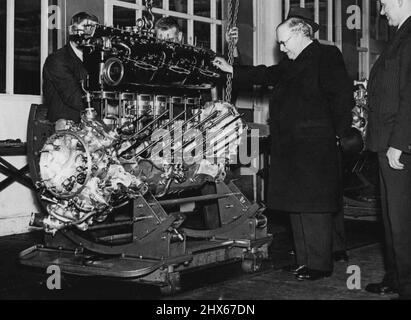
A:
[305, 14]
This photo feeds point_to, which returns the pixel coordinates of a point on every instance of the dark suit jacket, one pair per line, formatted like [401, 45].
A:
[389, 92]
[311, 104]
[62, 74]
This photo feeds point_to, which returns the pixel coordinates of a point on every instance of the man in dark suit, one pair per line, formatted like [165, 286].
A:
[311, 105]
[339, 236]
[389, 134]
[63, 72]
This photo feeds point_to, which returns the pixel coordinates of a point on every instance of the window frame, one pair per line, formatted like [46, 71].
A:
[10, 45]
[189, 16]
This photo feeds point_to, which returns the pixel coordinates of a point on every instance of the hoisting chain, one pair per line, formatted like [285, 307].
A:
[150, 23]
[232, 22]
[144, 23]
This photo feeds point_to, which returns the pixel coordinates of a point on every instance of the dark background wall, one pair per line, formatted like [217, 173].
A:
[246, 28]
[351, 40]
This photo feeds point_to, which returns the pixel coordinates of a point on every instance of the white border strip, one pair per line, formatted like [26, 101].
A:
[10, 47]
[44, 37]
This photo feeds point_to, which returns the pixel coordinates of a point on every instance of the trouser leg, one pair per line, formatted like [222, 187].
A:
[398, 203]
[299, 241]
[317, 229]
[390, 277]
[339, 238]
[313, 239]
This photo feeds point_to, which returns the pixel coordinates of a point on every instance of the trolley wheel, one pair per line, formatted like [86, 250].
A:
[170, 289]
[172, 286]
[252, 262]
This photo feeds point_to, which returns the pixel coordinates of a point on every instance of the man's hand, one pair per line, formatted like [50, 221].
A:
[393, 156]
[232, 35]
[60, 125]
[223, 65]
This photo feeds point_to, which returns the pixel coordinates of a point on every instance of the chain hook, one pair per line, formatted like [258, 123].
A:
[232, 22]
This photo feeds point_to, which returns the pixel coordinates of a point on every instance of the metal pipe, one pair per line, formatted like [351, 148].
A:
[192, 199]
[36, 220]
[118, 224]
[151, 123]
[168, 124]
[116, 237]
[201, 133]
[153, 143]
[166, 188]
[111, 225]
[223, 139]
[172, 120]
[162, 127]
[191, 119]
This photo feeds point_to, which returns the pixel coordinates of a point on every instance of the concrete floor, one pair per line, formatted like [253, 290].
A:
[274, 284]
[224, 283]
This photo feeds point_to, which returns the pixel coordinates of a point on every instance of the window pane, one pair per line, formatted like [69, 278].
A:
[219, 9]
[294, 3]
[124, 17]
[323, 21]
[309, 4]
[202, 34]
[157, 17]
[183, 28]
[55, 25]
[202, 8]
[374, 17]
[219, 39]
[157, 4]
[3, 46]
[178, 5]
[27, 47]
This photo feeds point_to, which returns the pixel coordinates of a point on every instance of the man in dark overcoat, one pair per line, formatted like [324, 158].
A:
[389, 134]
[63, 72]
[310, 106]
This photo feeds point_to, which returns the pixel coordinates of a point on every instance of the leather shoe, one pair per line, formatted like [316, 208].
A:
[311, 274]
[340, 256]
[380, 288]
[293, 268]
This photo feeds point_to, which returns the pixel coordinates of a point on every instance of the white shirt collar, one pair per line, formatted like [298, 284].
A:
[77, 51]
[403, 21]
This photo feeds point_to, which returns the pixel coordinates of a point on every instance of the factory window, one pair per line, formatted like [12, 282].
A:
[200, 20]
[25, 41]
[27, 47]
[324, 15]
